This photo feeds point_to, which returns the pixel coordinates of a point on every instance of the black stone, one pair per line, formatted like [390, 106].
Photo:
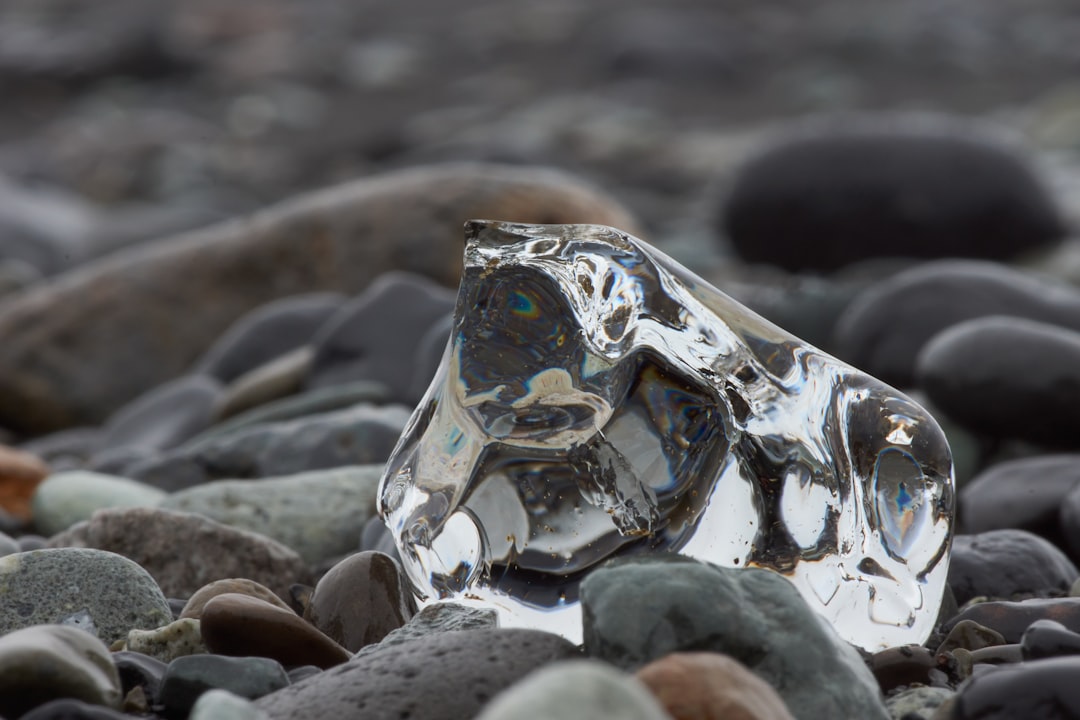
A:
[821, 199]
[1004, 563]
[884, 328]
[188, 677]
[139, 670]
[1006, 377]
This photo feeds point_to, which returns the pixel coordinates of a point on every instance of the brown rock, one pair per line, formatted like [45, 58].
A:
[360, 600]
[232, 586]
[241, 625]
[20, 474]
[63, 340]
[184, 551]
[710, 686]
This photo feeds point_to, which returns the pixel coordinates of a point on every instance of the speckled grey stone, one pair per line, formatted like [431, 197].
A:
[575, 689]
[917, 703]
[640, 610]
[66, 498]
[318, 514]
[47, 662]
[177, 639]
[100, 592]
[448, 676]
[433, 619]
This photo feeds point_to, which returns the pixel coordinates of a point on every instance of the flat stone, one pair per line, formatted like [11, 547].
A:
[691, 685]
[187, 678]
[1010, 619]
[318, 514]
[635, 612]
[369, 335]
[813, 196]
[275, 379]
[165, 416]
[267, 332]
[241, 625]
[20, 474]
[238, 586]
[48, 662]
[177, 639]
[884, 329]
[447, 676]
[361, 600]
[120, 311]
[1004, 563]
[1006, 377]
[100, 592]
[183, 551]
[65, 449]
[360, 435]
[575, 688]
[67, 498]
[1047, 638]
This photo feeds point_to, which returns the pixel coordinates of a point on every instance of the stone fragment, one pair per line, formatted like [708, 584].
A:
[692, 685]
[360, 435]
[187, 678]
[597, 400]
[447, 676]
[1010, 619]
[360, 600]
[1035, 690]
[239, 586]
[435, 619]
[241, 625]
[575, 688]
[165, 416]
[177, 639]
[20, 474]
[49, 662]
[318, 514]
[1006, 377]
[267, 332]
[67, 498]
[183, 551]
[99, 592]
[970, 635]
[220, 704]
[638, 611]
[813, 196]
[120, 311]
[1004, 563]
[1047, 638]
[369, 336]
[885, 328]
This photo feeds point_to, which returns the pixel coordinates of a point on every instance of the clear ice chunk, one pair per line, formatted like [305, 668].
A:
[598, 400]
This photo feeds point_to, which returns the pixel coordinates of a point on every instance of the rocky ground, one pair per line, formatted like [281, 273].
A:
[228, 240]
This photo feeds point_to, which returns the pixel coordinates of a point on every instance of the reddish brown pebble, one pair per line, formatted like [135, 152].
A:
[710, 686]
[360, 600]
[20, 474]
[236, 586]
[240, 625]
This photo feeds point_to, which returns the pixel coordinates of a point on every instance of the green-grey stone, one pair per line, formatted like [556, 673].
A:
[98, 591]
[219, 704]
[66, 498]
[318, 514]
[640, 610]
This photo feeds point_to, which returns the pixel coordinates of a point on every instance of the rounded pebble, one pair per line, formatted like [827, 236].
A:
[187, 678]
[20, 474]
[1047, 638]
[1036, 690]
[70, 497]
[1004, 563]
[236, 586]
[177, 639]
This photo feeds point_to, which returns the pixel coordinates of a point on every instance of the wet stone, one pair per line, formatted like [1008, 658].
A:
[1047, 638]
[1004, 563]
[239, 586]
[240, 625]
[360, 600]
[596, 400]
[1010, 619]
[900, 666]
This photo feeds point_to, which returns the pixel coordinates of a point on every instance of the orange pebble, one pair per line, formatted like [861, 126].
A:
[20, 474]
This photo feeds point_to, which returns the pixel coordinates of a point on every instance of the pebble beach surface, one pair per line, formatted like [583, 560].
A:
[198, 389]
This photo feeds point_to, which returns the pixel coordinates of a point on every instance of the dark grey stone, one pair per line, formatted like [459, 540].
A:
[165, 416]
[435, 619]
[640, 610]
[1036, 690]
[267, 332]
[139, 670]
[428, 357]
[68, 709]
[448, 676]
[1008, 562]
[188, 677]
